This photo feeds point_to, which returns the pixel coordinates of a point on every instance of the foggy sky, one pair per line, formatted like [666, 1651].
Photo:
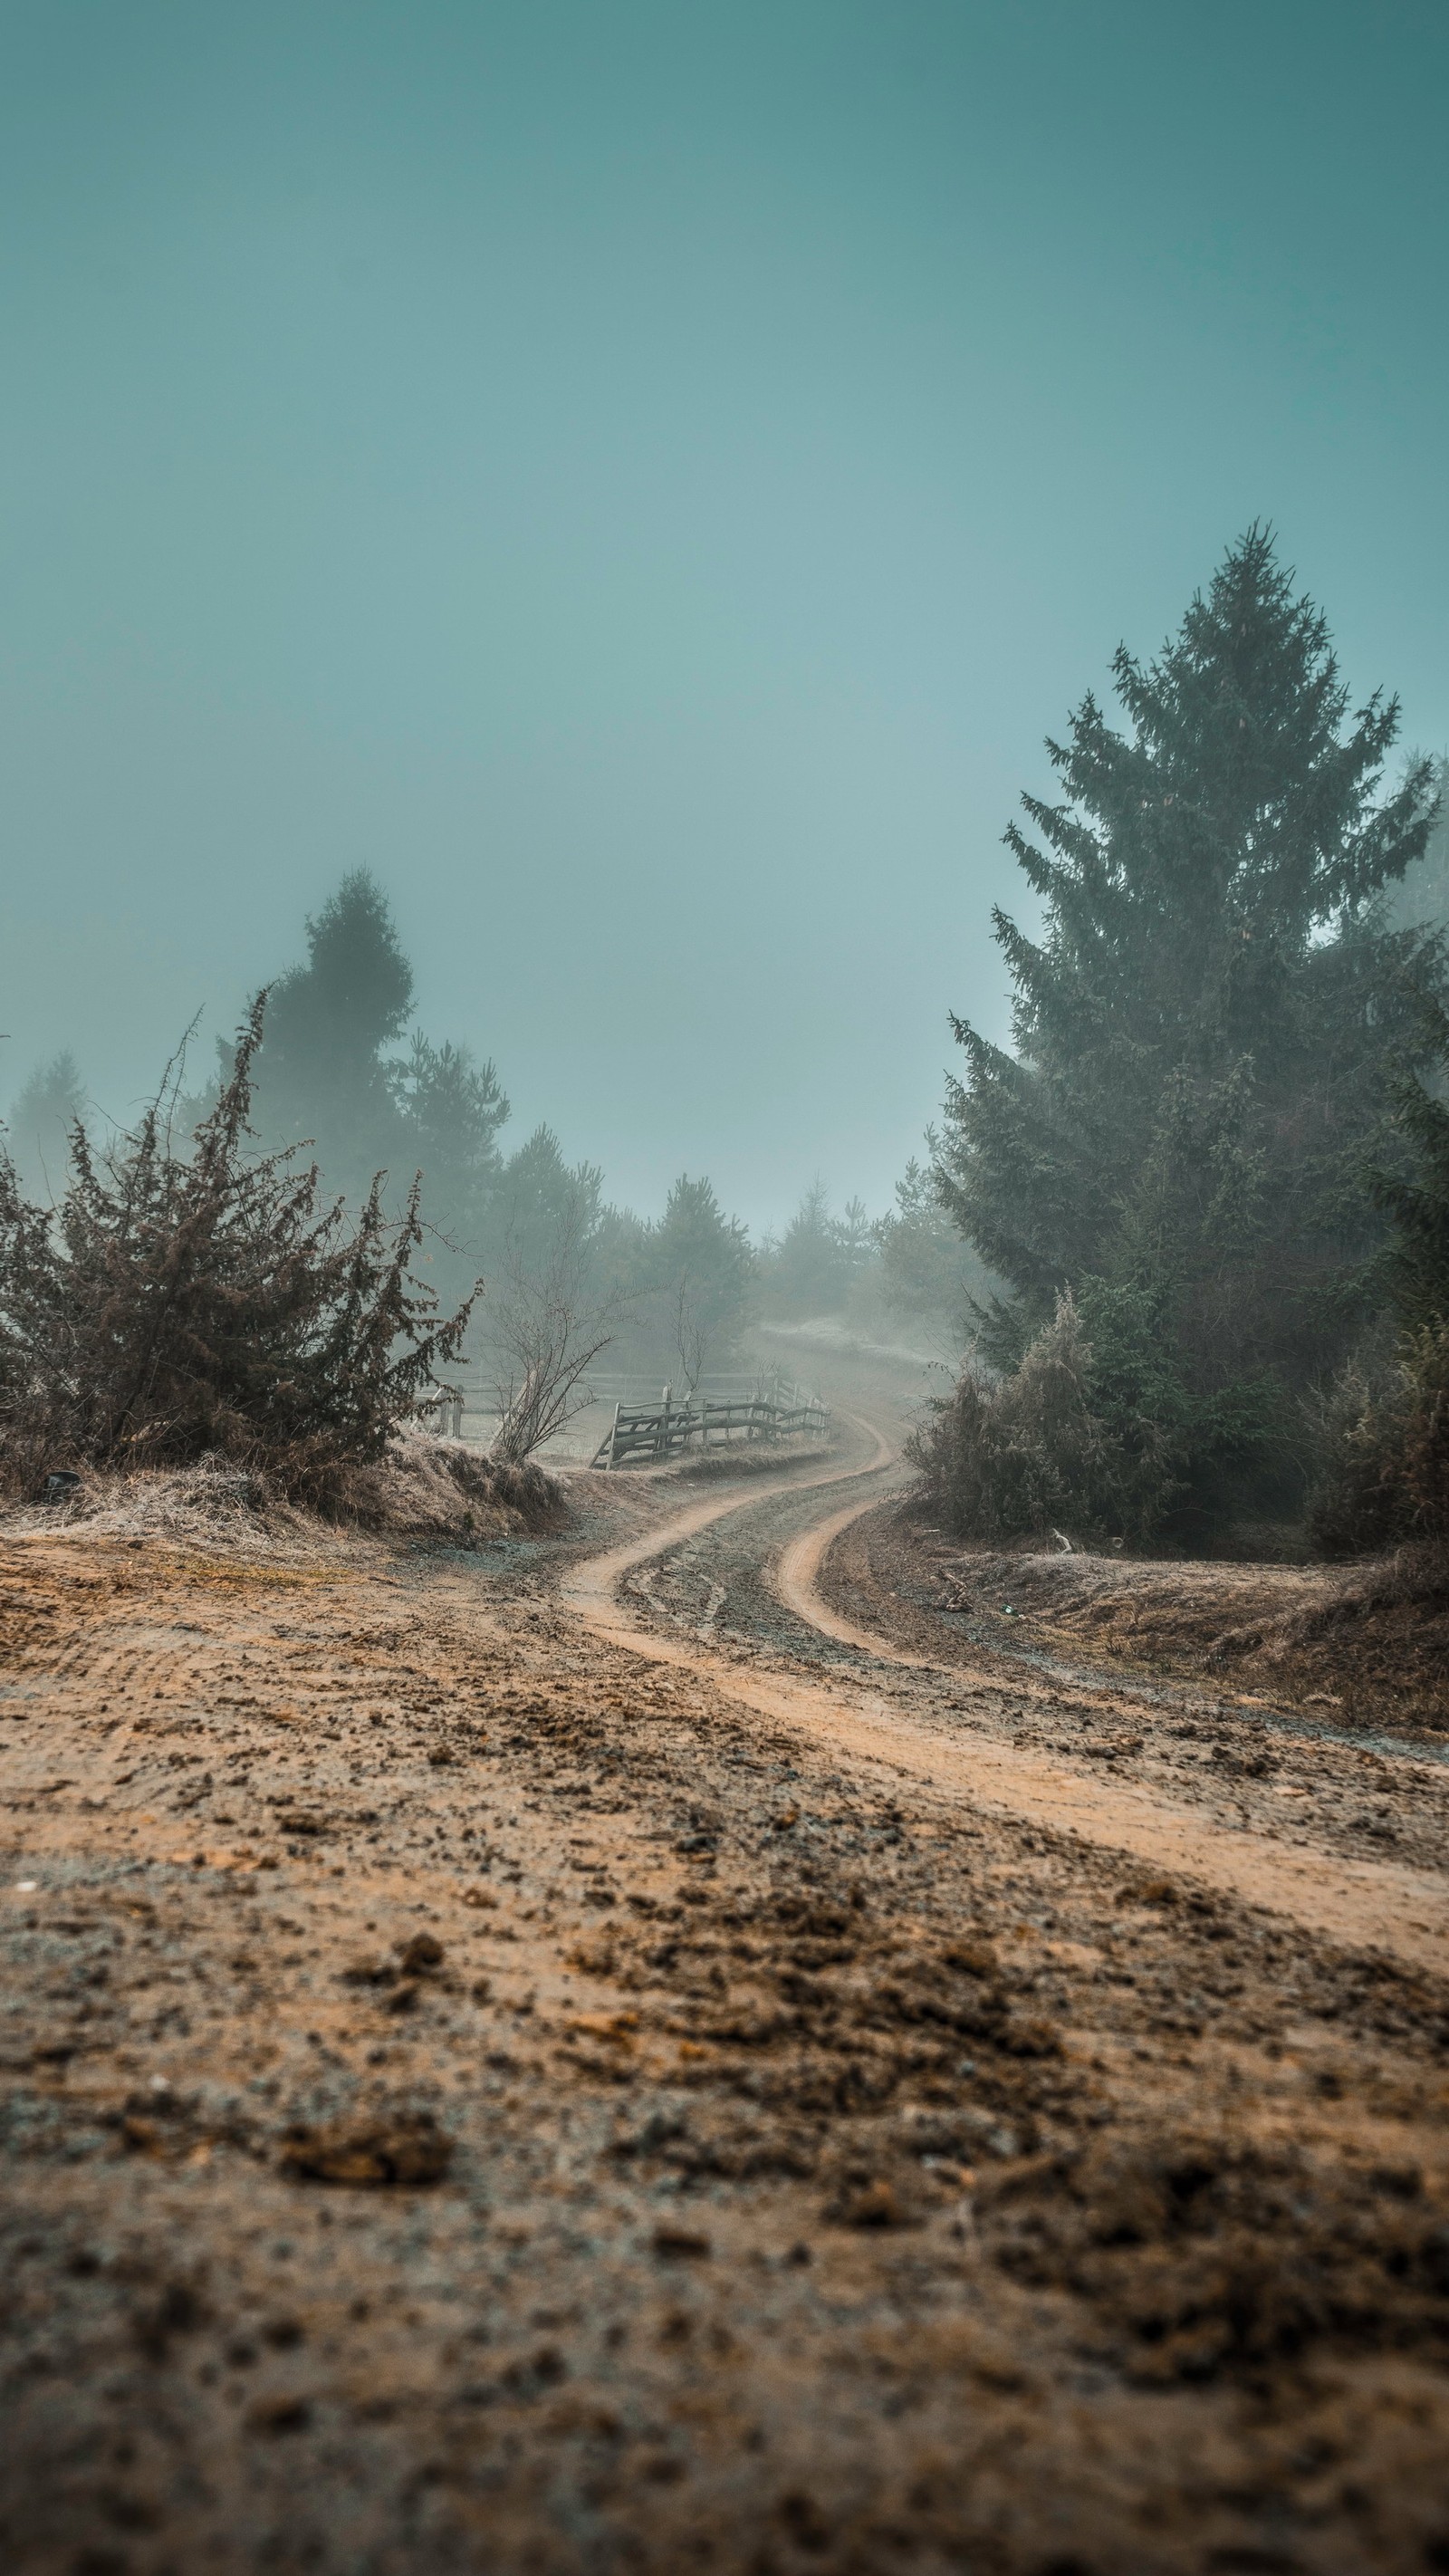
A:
[644, 479]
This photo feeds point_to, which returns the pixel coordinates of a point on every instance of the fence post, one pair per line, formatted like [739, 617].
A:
[614, 1435]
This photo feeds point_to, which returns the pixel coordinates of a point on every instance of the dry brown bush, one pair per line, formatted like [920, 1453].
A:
[1384, 1444]
[1010, 1460]
[186, 1302]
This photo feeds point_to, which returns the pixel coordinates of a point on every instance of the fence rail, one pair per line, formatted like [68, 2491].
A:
[665, 1429]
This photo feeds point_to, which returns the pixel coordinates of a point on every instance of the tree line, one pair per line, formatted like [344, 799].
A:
[339, 1203]
[342, 1074]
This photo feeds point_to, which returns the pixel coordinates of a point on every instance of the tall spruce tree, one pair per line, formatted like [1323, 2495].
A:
[1421, 901]
[1205, 1028]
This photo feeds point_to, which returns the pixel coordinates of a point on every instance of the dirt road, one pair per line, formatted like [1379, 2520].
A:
[767, 1556]
[496, 2079]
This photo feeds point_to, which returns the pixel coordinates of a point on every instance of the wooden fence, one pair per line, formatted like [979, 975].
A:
[665, 1429]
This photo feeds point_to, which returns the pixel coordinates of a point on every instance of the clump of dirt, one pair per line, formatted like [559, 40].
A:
[1203, 2255]
[214, 1501]
[369, 2153]
[1380, 1630]
[430, 1488]
[729, 1463]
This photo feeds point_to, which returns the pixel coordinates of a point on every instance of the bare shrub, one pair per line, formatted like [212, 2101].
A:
[691, 1333]
[546, 1329]
[180, 1303]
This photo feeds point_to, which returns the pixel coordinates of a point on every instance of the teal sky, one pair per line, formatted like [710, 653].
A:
[644, 479]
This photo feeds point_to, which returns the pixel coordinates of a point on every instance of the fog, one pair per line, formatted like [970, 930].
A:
[643, 482]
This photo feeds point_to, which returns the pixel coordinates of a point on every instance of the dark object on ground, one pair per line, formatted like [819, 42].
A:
[366, 2154]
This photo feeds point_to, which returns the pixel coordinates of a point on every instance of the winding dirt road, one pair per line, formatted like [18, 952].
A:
[1379, 1903]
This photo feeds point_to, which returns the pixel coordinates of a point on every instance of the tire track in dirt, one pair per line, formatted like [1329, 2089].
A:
[592, 1589]
[1365, 1904]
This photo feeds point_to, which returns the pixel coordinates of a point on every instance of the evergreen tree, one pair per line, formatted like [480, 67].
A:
[323, 1074]
[1415, 1197]
[41, 1123]
[538, 1194]
[1421, 900]
[1384, 1427]
[703, 1272]
[328, 1074]
[927, 1272]
[855, 1239]
[803, 1270]
[1205, 1028]
[450, 1109]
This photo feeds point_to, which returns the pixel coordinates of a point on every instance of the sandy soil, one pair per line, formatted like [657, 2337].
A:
[495, 2078]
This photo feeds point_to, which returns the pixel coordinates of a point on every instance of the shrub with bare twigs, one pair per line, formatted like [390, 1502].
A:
[546, 1328]
[185, 1301]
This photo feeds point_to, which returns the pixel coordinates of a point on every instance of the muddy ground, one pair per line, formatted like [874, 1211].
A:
[479, 2096]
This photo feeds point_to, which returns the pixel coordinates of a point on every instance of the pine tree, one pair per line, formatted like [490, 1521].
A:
[539, 1194]
[701, 1264]
[1384, 1427]
[327, 1076]
[927, 1272]
[1421, 901]
[450, 1109]
[1205, 1027]
[41, 1123]
[813, 1266]
[323, 1074]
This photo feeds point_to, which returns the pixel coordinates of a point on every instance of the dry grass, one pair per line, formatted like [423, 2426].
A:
[1368, 1643]
[751, 1458]
[423, 1488]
